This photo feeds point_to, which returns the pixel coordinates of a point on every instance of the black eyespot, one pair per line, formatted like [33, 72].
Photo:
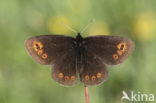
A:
[122, 46]
[37, 46]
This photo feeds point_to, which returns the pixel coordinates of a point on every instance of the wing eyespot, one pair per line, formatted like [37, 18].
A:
[44, 56]
[119, 52]
[122, 46]
[115, 56]
[37, 45]
[66, 77]
[40, 52]
[60, 75]
[93, 77]
[98, 75]
[72, 77]
[87, 77]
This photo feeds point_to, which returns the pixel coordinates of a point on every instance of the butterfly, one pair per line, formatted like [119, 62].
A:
[86, 58]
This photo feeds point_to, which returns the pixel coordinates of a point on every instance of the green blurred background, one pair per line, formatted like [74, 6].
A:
[24, 81]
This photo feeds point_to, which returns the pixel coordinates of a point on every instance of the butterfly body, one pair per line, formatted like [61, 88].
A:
[79, 46]
[85, 57]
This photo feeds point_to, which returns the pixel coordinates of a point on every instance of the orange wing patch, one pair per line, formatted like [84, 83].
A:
[87, 77]
[121, 49]
[44, 56]
[122, 46]
[60, 75]
[72, 77]
[93, 77]
[115, 56]
[40, 51]
[98, 75]
[66, 77]
[119, 52]
[37, 45]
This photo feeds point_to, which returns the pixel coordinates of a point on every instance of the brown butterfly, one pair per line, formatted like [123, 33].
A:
[87, 57]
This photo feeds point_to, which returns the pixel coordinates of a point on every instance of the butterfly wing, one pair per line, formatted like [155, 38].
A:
[46, 49]
[99, 50]
[111, 50]
[93, 71]
[57, 51]
[65, 71]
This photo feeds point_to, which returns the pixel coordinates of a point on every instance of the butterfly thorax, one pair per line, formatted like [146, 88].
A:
[78, 40]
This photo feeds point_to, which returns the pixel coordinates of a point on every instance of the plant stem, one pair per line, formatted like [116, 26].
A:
[87, 94]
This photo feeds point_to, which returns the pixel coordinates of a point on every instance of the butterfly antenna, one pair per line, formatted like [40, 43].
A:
[69, 28]
[87, 25]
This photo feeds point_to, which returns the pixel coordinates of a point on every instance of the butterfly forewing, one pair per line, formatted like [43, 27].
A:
[48, 48]
[110, 49]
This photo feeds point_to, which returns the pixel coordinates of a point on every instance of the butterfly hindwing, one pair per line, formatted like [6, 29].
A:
[93, 71]
[46, 49]
[110, 49]
[65, 71]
